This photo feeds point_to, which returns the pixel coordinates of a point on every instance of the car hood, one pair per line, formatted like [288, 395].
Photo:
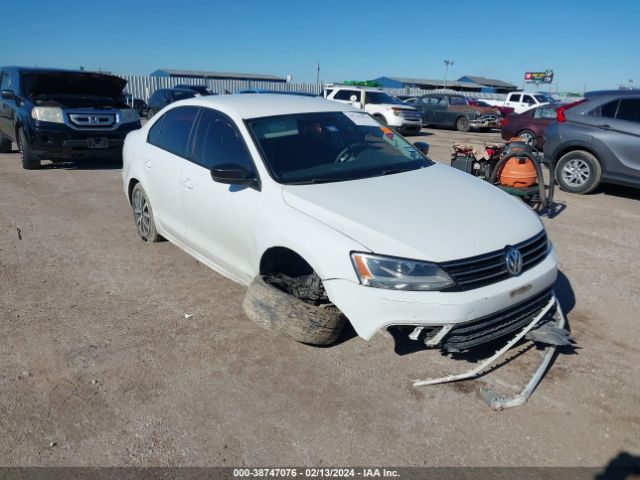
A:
[436, 213]
[73, 83]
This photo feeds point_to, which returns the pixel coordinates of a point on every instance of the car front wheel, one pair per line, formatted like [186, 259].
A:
[29, 160]
[462, 124]
[578, 172]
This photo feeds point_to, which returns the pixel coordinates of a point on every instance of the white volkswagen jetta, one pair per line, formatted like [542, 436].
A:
[325, 214]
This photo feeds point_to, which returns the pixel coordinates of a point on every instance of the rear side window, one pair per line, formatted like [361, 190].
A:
[346, 94]
[154, 131]
[608, 110]
[514, 98]
[218, 142]
[176, 129]
[528, 100]
[629, 110]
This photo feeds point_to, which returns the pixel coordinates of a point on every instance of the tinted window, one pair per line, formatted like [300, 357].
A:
[154, 131]
[608, 109]
[218, 142]
[529, 100]
[378, 98]
[182, 94]
[443, 101]
[346, 95]
[514, 98]
[629, 110]
[176, 128]
[429, 100]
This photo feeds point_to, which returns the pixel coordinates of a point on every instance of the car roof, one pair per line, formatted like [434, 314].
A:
[611, 93]
[254, 105]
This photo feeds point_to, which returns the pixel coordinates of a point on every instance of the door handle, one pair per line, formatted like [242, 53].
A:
[605, 126]
[188, 184]
[147, 163]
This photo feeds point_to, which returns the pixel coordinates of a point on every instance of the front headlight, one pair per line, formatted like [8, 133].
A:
[128, 115]
[398, 273]
[47, 114]
[396, 111]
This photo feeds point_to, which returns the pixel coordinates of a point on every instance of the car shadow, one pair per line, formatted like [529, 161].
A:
[624, 466]
[619, 191]
[90, 163]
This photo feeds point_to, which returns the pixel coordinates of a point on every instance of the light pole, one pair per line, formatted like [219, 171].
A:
[446, 70]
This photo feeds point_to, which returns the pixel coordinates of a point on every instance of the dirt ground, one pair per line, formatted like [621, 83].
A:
[115, 352]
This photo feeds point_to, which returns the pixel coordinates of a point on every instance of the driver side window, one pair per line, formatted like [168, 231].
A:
[218, 142]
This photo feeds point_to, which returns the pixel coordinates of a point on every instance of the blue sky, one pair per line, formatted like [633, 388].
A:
[584, 42]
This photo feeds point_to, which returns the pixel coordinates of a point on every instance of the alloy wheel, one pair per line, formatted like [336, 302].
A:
[141, 214]
[576, 172]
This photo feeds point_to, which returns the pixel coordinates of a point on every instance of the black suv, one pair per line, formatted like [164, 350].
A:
[164, 96]
[200, 89]
[596, 140]
[62, 115]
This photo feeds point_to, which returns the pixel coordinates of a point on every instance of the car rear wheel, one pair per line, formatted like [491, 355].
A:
[150, 113]
[528, 137]
[143, 215]
[578, 172]
[462, 124]
[29, 160]
[285, 314]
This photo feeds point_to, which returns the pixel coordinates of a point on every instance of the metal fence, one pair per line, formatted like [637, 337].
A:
[143, 87]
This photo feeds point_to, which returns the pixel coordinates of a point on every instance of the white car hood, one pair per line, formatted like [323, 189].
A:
[436, 213]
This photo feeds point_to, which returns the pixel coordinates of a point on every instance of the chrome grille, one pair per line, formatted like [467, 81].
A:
[88, 120]
[411, 115]
[481, 270]
[469, 334]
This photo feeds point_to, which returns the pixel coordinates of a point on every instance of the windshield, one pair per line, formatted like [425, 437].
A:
[331, 147]
[378, 98]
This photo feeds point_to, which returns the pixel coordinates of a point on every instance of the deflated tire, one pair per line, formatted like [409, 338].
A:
[287, 315]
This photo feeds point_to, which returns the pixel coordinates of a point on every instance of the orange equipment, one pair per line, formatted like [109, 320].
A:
[518, 172]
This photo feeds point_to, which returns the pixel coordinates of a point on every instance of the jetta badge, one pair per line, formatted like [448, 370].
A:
[513, 261]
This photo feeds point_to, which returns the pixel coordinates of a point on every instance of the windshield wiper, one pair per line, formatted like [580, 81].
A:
[396, 170]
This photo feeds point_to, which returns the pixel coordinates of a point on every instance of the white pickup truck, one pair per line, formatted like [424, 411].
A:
[520, 101]
[387, 109]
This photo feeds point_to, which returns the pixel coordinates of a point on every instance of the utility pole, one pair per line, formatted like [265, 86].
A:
[446, 70]
[318, 77]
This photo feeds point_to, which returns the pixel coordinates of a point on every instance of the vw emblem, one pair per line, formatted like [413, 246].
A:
[513, 261]
[94, 120]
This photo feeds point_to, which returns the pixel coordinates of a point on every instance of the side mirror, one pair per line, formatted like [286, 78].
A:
[8, 94]
[232, 174]
[423, 147]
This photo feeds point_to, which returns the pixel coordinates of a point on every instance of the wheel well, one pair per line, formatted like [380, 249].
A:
[132, 183]
[284, 260]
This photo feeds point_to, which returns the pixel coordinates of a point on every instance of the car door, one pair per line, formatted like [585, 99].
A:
[425, 104]
[164, 158]
[513, 101]
[618, 129]
[220, 218]
[440, 112]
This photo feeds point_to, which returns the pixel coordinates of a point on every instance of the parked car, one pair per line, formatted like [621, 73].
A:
[596, 140]
[521, 101]
[529, 125]
[325, 212]
[387, 109]
[445, 110]
[62, 115]
[137, 104]
[504, 111]
[164, 96]
[199, 89]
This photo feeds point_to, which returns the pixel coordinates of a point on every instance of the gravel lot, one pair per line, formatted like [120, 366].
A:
[115, 352]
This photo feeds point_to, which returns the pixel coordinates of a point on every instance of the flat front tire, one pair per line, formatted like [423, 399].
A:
[287, 315]
[143, 215]
[578, 172]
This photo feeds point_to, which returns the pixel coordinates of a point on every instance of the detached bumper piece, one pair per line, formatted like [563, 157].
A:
[546, 326]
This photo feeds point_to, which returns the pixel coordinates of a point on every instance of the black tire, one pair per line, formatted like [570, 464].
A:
[485, 129]
[5, 144]
[143, 215]
[463, 124]
[578, 172]
[29, 160]
[287, 315]
[150, 113]
[528, 136]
